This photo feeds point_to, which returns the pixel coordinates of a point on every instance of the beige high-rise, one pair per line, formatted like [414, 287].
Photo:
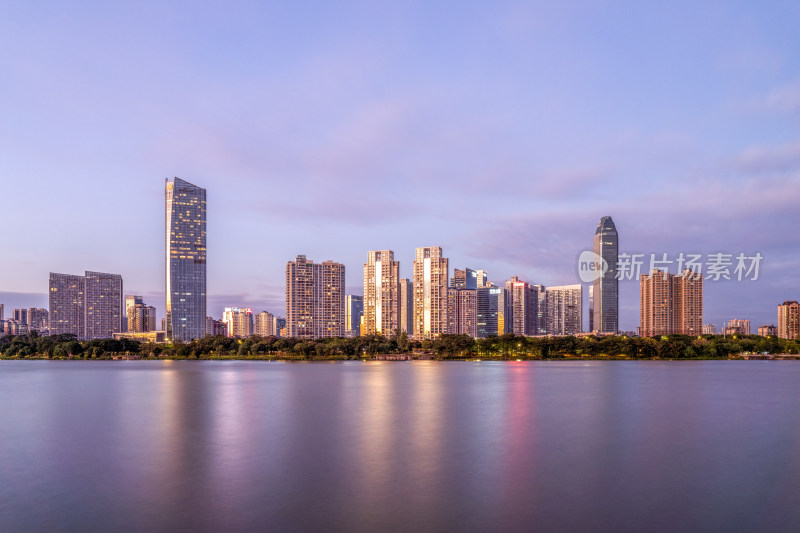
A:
[671, 304]
[381, 293]
[314, 298]
[430, 293]
[789, 320]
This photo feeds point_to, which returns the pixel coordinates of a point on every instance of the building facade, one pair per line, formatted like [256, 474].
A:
[767, 331]
[462, 312]
[488, 299]
[353, 311]
[238, 321]
[215, 327]
[738, 327]
[709, 329]
[564, 309]
[521, 307]
[141, 318]
[315, 295]
[430, 293]
[381, 293]
[671, 304]
[605, 317]
[264, 324]
[88, 306]
[789, 320]
[185, 260]
[406, 306]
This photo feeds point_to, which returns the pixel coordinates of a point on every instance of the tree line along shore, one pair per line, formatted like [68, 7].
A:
[502, 347]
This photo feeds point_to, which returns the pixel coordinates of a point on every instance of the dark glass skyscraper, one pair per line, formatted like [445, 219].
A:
[605, 318]
[185, 260]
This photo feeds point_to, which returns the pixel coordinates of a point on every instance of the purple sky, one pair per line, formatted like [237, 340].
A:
[500, 131]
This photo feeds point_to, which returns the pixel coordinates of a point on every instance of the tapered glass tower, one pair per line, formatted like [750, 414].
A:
[605, 318]
[185, 260]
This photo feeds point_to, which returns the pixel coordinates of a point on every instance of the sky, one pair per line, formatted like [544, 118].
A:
[501, 131]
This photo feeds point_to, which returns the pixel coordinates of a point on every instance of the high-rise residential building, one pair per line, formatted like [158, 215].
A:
[381, 293]
[104, 305]
[239, 321]
[21, 316]
[482, 278]
[564, 306]
[406, 306]
[738, 327]
[185, 260]
[265, 324]
[141, 318]
[671, 304]
[462, 311]
[89, 306]
[38, 320]
[353, 311]
[504, 311]
[430, 293]
[605, 318]
[67, 312]
[214, 327]
[522, 307]
[767, 331]
[709, 329]
[465, 279]
[1, 312]
[488, 298]
[130, 301]
[789, 320]
[541, 311]
[14, 327]
[315, 298]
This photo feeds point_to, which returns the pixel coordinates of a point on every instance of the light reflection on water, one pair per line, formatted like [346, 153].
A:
[422, 446]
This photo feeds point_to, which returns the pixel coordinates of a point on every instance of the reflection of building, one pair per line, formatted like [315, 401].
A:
[353, 311]
[89, 307]
[406, 306]
[185, 260]
[488, 299]
[605, 318]
[462, 311]
[671, 304]
[239, 322]
[709, 329]
[738, 327]
[564, 309]
[381, 293]
[430, 293]
[789, 320]
[767, 331]
[315, 299]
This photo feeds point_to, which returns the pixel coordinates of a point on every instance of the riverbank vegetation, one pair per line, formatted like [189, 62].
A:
[446, 347]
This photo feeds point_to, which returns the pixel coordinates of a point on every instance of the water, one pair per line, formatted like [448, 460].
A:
[396, 446]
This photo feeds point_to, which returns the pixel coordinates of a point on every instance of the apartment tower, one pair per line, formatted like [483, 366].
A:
[430, 293]
[381, 293]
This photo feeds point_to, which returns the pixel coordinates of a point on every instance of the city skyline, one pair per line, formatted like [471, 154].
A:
[501, 134]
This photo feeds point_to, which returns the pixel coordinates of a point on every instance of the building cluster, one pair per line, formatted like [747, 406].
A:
[429, 304]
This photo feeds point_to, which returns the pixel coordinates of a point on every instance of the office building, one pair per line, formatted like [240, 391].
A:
[564, 305]
[488, 300]
[21, 316]
[767, 331]
[214, 327]
[38, 320]
[185, 260]
[738, 327]
[381, 293]
[264, 324]
[238, 321]
[88, 306]
[315, 299]
[605, 318]
[141, 318]
[353, 311]
[430, 293]
[789, 320]
[521, 307]
[671, 304]
[462, 312]
[407, 306]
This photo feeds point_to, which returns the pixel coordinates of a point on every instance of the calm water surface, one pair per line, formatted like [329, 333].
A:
[422, 446]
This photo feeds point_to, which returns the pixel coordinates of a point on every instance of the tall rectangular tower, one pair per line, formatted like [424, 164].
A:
[330, 306]
[564, 309]
[605, 317]
[104, 305]
[67, 299]
[185, 260]
[430, 293]
[407, 306]
[315, 299]
[381, 293]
